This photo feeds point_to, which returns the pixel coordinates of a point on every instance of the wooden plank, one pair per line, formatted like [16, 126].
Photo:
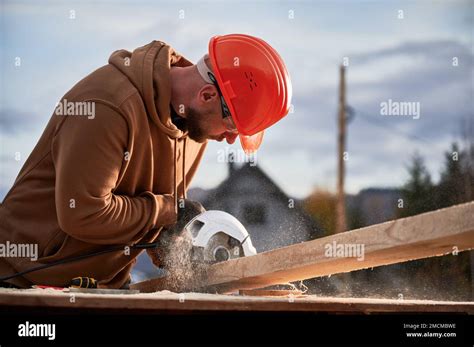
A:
[14, 300]
[426, 235]
[272, 292]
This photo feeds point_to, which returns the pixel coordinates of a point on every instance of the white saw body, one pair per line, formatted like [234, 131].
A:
[218, 236]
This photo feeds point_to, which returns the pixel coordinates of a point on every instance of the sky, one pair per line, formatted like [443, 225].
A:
[396, 50]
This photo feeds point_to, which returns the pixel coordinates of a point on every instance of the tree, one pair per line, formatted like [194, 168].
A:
[418, 192]
[467, 142]
[451, 189]
[321, 205]
[447, 274]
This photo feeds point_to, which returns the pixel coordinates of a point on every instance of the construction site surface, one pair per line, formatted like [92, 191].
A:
[236, 285]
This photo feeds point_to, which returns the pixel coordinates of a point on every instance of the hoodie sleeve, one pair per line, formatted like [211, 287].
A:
[88, 155]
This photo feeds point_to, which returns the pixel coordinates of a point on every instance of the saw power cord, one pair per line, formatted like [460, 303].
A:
[79, 257]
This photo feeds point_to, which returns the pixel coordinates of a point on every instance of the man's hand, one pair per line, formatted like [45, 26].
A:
[187, 210]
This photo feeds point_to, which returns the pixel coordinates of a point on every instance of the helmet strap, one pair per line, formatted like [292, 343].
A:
[204, 70]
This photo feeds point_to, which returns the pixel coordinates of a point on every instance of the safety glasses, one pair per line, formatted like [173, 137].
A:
[226, 115]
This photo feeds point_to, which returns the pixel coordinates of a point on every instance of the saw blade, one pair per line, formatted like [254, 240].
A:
[222, 247]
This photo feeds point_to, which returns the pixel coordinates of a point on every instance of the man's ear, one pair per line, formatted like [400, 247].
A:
[208, 93]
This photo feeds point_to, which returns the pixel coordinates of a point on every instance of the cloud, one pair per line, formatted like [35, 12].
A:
[430, 51]
[443, 90]
[14, 121]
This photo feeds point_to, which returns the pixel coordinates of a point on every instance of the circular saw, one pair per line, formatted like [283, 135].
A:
[218, 236]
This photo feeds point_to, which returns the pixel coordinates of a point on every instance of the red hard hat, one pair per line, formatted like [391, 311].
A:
[254, 82]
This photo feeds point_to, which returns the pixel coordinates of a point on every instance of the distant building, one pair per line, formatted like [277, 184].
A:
[376, 205]
[272, 218]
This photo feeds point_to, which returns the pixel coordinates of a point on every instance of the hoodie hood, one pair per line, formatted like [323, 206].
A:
[148, 69]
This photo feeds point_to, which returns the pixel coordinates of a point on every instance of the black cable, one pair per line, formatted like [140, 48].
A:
[393, 129]
[79, 257]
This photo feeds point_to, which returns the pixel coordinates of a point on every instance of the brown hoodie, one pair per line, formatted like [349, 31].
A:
[95, 182]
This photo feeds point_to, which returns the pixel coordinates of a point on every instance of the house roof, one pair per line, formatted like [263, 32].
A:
[225, 188]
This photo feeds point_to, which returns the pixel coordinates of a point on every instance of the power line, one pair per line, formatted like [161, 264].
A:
[391, 128]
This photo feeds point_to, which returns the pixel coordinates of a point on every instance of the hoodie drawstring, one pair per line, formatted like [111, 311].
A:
[175, 176]
[184, 168]
[183, 195]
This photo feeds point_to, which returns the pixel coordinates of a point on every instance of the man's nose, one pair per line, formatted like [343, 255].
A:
[230, 137]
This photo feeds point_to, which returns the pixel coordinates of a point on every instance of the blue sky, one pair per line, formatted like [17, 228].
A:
[407, 60]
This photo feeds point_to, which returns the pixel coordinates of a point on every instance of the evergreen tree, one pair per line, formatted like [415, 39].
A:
[451, 189]
[418, 192]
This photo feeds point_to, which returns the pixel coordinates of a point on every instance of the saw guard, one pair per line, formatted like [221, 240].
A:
[209, 223]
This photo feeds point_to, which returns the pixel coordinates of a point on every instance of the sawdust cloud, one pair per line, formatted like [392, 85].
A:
[182, 272]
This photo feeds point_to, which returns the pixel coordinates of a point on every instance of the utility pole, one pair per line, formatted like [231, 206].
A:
[341, 204]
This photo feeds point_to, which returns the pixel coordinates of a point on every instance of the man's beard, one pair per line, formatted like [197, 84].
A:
[194, 122]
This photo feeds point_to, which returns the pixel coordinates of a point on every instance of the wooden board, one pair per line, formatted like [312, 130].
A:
[47, 301]
[426, 235]
[272, 292]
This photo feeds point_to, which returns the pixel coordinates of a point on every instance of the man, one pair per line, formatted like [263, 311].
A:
[118, 177]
